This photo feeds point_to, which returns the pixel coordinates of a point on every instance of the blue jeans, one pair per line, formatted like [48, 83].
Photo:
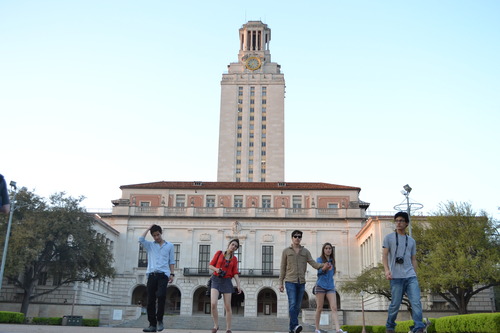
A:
[295, 292]
[398, 288]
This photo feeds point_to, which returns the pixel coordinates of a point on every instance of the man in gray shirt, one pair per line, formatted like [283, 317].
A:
[400, 265]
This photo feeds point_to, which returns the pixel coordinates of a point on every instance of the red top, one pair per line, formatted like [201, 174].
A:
[229, 266]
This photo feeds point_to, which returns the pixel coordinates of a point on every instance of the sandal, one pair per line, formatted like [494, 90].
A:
[214, 330]
[229, 331]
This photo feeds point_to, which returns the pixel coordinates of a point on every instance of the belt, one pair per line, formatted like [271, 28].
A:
[157, 274]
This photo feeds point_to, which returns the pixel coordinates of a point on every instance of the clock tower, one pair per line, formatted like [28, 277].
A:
[252, 124]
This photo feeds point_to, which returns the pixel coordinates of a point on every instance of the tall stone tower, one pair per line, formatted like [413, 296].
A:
[252, 112]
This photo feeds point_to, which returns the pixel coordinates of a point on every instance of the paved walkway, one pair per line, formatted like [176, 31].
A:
[16, 328]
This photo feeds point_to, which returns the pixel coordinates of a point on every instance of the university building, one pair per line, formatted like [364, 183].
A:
[250, 200]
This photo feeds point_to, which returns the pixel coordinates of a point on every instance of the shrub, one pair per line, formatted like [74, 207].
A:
[47, 320]
[359, 329]
[90, 322]
[11, 317]
[470, 323]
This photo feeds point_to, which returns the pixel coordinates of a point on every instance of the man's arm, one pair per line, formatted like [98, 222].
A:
[282, 270]
[414, 262]
[146, 232]
[5, 209]
[385, 261]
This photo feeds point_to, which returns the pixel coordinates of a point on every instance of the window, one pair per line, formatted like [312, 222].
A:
[240, 109]
[333, 205]
[57, 279]
[297, 201]
[210, 200]
[238, 179]
[239, 135]
[143, 257]
[263, 126]
[264, 101]
[264, 91]
[250, 161]
[263, 179]
[240, 118]
[250, 153]
[252, 91]
[180, 200]
[252, 118]
[145, 204]
[177, 251]
[239, 126]
[252, 110]
[42, 279]
[238, 161]
[238, 153]
[250, 171]
[252, 135]
[263, 144]
[266, 201]
[204, 259]
[251, 126]
[263, 170]
[263, 153]
[250, 144]
[240, 101]
[264, 109]
[252, 101]
[238, 201]
[238, 144]
[239, 254]
[267, 259]
[238, 170]
[264, 118]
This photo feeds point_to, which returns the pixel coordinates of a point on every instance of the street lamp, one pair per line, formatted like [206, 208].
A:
[9, 224]
[409, 206]
[406, 192]
[362, 294]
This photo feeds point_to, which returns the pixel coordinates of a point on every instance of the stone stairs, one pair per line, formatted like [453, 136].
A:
[205, 322]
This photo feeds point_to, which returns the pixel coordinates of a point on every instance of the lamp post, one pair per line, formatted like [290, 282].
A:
[406, 193]
[362, 293]
[7, 235]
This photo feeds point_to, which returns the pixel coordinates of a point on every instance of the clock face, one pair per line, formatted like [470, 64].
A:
[253, 63]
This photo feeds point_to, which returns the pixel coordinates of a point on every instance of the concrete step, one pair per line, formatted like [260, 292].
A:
[205, 322]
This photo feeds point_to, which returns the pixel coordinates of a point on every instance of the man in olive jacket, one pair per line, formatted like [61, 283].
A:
[294, 260]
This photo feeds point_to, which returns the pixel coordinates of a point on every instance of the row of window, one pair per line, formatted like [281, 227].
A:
[210, 199]
[204, 257]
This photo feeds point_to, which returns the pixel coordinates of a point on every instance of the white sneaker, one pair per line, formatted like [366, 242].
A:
[340, 331]
[317, 331]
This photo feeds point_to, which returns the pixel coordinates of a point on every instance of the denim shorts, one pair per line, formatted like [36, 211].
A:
[223, 285]
[320, 290]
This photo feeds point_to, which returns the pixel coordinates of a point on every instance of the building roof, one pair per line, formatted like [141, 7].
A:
[240, 186]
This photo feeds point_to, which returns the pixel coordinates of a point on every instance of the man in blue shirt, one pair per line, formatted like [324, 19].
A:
[160, 271]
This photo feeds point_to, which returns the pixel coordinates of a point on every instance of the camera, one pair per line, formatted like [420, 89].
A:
[222, 273]
[400, 260]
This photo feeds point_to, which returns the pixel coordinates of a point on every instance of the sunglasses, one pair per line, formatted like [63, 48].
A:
[297, 236]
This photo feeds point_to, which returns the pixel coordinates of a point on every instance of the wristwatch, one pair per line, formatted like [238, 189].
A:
[172, 274]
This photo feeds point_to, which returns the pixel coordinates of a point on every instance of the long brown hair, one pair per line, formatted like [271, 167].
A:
[323, 256]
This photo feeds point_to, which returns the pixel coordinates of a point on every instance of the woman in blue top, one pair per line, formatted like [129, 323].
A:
[326, 286]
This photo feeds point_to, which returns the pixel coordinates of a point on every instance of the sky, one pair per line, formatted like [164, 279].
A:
[379, 94]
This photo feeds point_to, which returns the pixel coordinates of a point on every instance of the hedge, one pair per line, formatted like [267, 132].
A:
[47, 320]
[470, 323]
[11, 317]
[90, 322]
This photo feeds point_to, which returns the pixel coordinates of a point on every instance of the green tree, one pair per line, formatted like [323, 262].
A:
[458, 252]
[55, 239]
[373, 282]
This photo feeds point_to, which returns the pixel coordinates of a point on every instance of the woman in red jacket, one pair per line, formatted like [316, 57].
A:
[225, 267]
